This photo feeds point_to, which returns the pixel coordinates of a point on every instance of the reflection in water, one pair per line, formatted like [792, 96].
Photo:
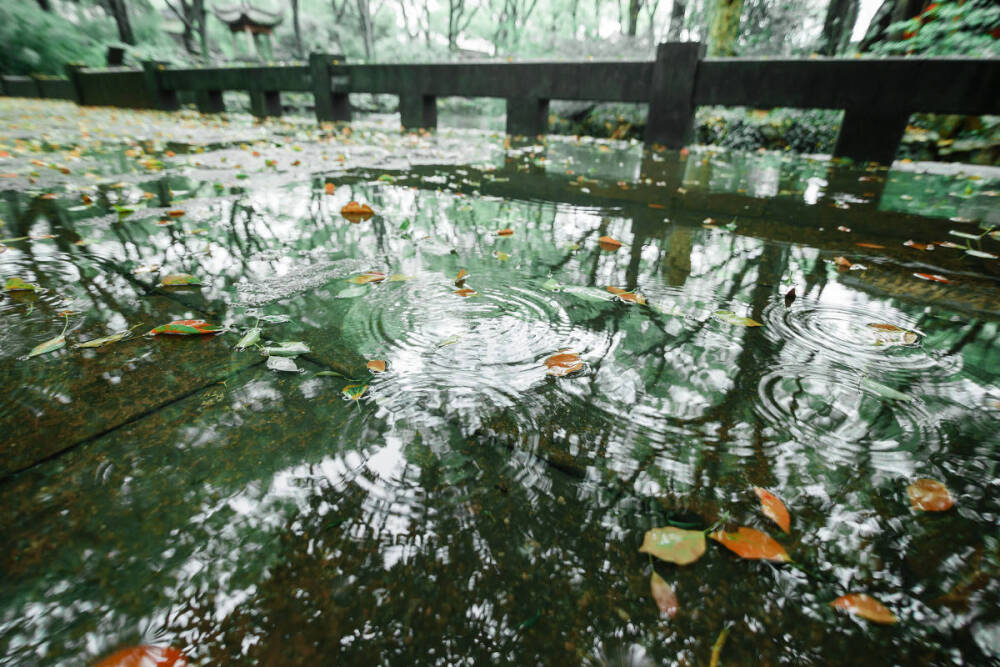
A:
[471, 509]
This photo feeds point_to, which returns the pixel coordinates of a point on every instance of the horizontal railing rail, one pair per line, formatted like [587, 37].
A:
[877, 95]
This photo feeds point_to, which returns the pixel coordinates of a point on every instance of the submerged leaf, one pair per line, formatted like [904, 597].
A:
[551, 285]
[505, 232]
[106, 340]
[465, 291]
[287, 349]
[18, 285]
[933, 277]
[282, 364]
[929, 495]
[674, 545]
[609, 244]
[275, 319]
[751, 544]
[627, 297]
[664, 595]
[186, 328]
[177, 279]
[145, 656]
[729, 317]
[864, 606]
[48, 346]
[251, 337]
[352, 291]
[563, 363]
[773, 508]
[884, 391]
[588, 293]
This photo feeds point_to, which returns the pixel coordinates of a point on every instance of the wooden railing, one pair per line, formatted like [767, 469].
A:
[877, 95]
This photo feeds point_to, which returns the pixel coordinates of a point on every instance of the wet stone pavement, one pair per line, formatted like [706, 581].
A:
[827, 332]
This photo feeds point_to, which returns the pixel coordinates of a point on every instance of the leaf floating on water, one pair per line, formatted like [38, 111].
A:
[627, 297]
[354, 392]
[282, 364]
[352, 291]
[674, 545]
[609, 244]
[179, 279]
[106, 340]
[890, 334]
[664, 595]
[502, 256]
[287, 349]
[186, 328]
[729, 317]
[465, 292]
[789, 297]
[145, 656]
[399, 278]
[275, 319]
[18, 285]
[376, 365]
[329, 188]
[251, 337]
[773, 508]
[865, 606]
[589, 293]
[884, 391]
[844, 264]
[751, 544]
[928, 495]
[505, 232]
[870, 245]
[460, 278]
[367, 277]
[933, 277]
[48, 346]
[980, 253]
[356, 212]
[919, 246]
[178, 213]
[551, 285]
[563, 363]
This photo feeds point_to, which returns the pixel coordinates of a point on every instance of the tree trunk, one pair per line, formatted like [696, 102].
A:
[365, 23]
[119, 12]
[633, 16]
[889, 12]
[840, 18]
[677, 11]
[202, 14]
[298, 28]
[44, 4]
[724, 27]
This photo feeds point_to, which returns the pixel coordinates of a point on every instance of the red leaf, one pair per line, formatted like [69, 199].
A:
[145, 656]
[186, 328]
[773, 508]
[933, 277]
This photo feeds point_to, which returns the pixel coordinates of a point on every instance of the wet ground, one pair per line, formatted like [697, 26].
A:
[472, 503]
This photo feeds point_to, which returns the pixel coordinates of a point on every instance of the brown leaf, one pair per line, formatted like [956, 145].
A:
[628, 297]
[563, 363]
[929, 495]
[870, 245]
[789, 297]
[376, 365]
[751, 544]
[864, 606]
[506, 232]
[460, 278]
[773, 508]
[842, 263]
[608, 243]
[664, 595]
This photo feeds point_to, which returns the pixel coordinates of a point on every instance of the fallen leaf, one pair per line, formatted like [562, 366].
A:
[980, 253]
[179, 279]
[48, 346]
[563, 363]
[890, 334]
[884, 391]
[465, 291]
[789, 297]
[145, 656]
[773, 508]
[18, 285]
[356, 212]
[932, 277]
[106, 340]
[251, 337]
[674, 545]
[729, 317]
[275, 319]
[929, 495]
[506, 232]
[329, 188]
[864, 606]
[354, 392]
[608, 243]
[842, 263]
[501, 255]
[50, 195]
[919, 246]
[460, 278]
[751, 544]
[552, 285]
[283, 364]
[286, 349]
[186, 328]
[870, 245]
[176, 213]
[367, 277]
[664, 595]
[628, 297]
[352, 291]
[376, 365]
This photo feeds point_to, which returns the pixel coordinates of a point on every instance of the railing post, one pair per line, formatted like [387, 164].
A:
[329, 89]
[527, 116]
[209, 101]
[671, 100]
[866, 134]
[158, 96]
[265, 103]
[73, 74]
[40, 90]
[418, 111]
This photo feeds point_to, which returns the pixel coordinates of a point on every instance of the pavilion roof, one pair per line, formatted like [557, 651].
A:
[245, 14]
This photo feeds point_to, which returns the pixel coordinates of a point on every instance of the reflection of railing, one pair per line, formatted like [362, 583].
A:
[877, 96]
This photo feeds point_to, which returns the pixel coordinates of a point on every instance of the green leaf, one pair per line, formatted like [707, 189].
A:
[48, 346]
[275, 319]
[178, 279]
[18, 285]
[551, 285]
[287, 349]
[354, 392]
[106, 340]
[884, 391]
[251, 337]
[186, 328]
[674, 544]
[729, 317]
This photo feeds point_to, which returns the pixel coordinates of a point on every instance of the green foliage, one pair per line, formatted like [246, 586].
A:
[802, 131]
[39, 42]
[951, 27]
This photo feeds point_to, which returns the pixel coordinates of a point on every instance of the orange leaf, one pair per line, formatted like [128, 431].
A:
[49, 195]
[773, 508]
[356, 212]
[933, 277]
[176, 213]
[869, 245]
[842, 263]
[752, 544]
[462, 274]
[145, 656]
[465, 291]
[367, 277]
[376, 365]
[628, 297]
[664, 595]
[329, 189]
[608, 243]
[506, 232]
[563, 363]
[864, 606]
[929, 495]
